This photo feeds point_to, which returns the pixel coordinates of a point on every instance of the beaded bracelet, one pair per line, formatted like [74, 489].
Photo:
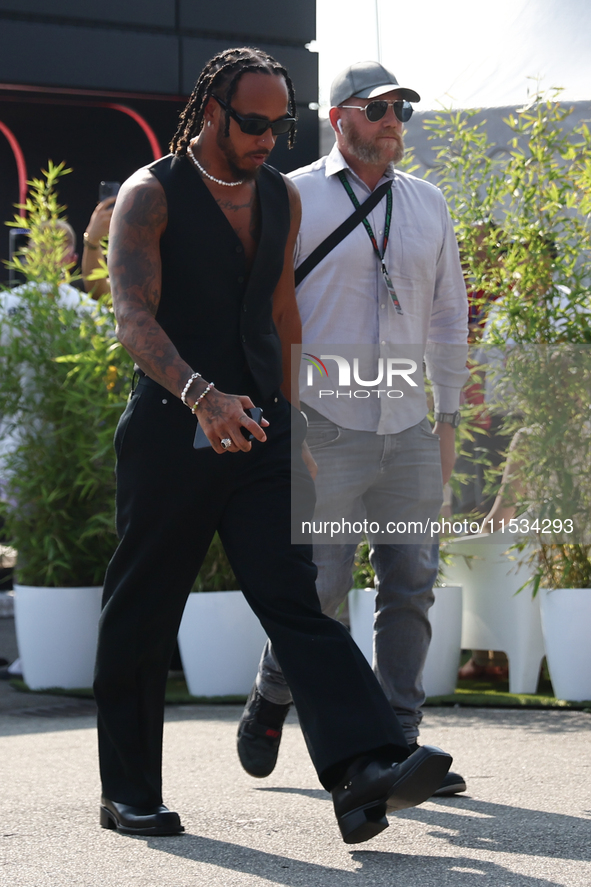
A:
[201, 396]
[187, 386]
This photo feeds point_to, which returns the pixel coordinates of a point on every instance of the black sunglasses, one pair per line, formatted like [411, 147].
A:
[256, 126]
[375, 110]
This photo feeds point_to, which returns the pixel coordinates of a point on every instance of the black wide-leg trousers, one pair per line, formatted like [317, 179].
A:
[170, 501]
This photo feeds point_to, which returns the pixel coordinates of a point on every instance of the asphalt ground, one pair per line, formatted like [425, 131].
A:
[525, 820]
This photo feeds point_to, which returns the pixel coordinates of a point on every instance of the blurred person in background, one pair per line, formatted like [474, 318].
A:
[92, 251]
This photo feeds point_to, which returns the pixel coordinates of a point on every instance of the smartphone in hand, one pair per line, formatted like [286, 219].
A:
[108, 189]
[201, 440]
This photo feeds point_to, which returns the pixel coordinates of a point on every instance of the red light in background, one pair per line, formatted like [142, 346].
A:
[21, 166]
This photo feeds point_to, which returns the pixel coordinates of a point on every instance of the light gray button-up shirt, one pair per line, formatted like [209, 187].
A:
[345, 301]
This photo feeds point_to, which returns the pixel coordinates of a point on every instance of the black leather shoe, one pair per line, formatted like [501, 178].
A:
[259, 734]
[452, 782]
[136, 821]
[371, 788]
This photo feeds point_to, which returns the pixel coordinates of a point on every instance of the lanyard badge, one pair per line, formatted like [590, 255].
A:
[387, 279]
[391, 290]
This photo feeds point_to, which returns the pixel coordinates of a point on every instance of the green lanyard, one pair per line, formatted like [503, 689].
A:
[387, 279]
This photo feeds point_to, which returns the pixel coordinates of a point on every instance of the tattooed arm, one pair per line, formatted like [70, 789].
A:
[138, 223]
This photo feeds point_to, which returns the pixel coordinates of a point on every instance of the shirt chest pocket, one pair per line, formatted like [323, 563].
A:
[417, 250]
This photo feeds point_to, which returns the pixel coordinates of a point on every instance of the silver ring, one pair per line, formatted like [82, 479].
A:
[226, 442]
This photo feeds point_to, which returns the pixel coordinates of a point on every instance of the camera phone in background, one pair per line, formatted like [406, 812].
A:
[17, 240]
[108, 189]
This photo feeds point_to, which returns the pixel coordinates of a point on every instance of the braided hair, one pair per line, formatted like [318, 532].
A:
[224, 71]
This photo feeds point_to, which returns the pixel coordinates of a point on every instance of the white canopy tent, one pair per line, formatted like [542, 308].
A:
[462, 53]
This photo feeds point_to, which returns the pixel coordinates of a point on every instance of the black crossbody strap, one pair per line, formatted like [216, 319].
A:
[333, 239]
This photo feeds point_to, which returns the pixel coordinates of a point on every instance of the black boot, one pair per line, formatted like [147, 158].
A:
[371, 788]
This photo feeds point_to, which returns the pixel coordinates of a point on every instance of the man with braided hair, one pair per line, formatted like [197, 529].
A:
[201, 268]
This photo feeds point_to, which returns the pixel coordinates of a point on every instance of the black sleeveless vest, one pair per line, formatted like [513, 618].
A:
[219, 317]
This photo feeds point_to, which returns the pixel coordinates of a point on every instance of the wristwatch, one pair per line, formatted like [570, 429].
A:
[452, 419]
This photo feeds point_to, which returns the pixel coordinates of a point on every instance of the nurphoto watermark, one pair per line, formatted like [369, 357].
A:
[523, 447]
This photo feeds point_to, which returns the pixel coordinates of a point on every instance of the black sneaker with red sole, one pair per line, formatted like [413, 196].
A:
[259, 734]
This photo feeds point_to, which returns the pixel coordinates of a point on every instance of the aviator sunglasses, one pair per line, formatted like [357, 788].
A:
[375, 110]
[256, 126]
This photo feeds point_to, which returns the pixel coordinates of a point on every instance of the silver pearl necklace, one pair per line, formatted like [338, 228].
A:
[207, 175]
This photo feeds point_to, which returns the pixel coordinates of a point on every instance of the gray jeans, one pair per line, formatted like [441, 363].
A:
[404, 467]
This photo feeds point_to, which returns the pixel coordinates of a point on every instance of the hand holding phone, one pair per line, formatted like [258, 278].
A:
[201, 440]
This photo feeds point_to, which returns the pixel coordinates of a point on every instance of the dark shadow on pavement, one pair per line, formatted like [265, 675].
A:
[376, 868]
[502, 828]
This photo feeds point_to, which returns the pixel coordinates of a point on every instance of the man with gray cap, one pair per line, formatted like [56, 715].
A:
[400, 286]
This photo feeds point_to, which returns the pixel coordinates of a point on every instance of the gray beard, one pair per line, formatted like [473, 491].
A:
[368, 152]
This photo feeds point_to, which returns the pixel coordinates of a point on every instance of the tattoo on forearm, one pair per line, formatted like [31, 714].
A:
[135, 273]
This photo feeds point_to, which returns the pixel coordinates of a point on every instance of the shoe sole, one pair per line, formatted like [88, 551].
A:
[109, 820]
[412, 788]
[421, 781]
[452, 789]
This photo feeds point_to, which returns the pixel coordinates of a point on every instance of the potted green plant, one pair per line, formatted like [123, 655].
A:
[220, 638]
[531, 267]
[62, 389]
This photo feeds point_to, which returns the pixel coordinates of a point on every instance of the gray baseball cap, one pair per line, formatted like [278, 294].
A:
[367, 80]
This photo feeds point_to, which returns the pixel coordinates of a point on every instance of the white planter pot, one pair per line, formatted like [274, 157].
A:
[441, 668]
[566, 617]
[56, 631]
[221, 641]
[440, 674]
[494, 616]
